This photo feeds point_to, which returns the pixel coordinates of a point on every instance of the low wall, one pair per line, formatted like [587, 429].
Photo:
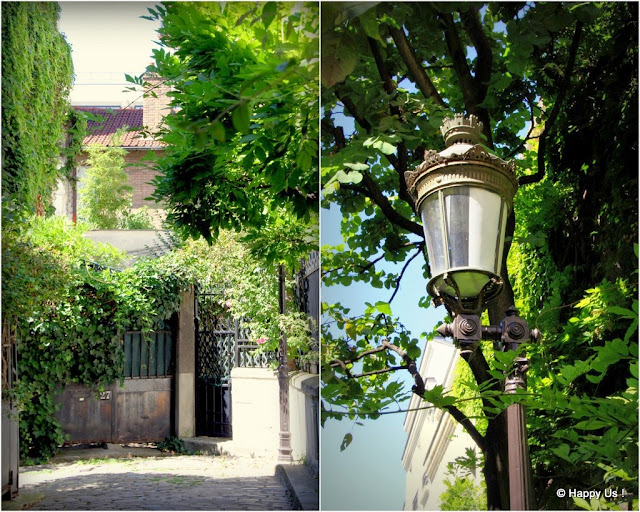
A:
[303, 420]
[256, 413]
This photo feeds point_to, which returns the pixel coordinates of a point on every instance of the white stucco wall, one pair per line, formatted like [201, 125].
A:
[63, 198]
[255, 410]
[255, 405]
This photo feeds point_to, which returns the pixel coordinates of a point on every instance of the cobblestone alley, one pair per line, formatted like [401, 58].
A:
[167, 483]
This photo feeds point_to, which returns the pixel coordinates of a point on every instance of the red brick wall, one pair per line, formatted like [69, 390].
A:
[139, 177]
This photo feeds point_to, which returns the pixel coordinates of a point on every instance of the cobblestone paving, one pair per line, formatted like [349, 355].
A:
[173, 483]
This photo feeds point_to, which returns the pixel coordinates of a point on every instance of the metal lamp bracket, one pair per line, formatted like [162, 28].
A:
[467, 331]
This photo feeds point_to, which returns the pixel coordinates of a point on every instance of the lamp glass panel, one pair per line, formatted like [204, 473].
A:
[456, 206]
[432, 223]
[484, 228]
[503, 229]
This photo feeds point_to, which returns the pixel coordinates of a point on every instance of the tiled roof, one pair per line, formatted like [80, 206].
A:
[113, 119]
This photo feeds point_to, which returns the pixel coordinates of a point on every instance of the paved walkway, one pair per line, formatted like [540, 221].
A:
[157, 483]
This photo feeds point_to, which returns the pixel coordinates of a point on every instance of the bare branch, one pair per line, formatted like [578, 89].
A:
[471, 94]
[480, 369]
[338, 362]
[389, 85]
[379, 372]
[401, 165]
[353, 111]
[404, 268]
[337, 132]
[548, 125]
[466, 423]
[419, 390]
[366, 267]
[459, 60]
[416, 70]
[528, 137]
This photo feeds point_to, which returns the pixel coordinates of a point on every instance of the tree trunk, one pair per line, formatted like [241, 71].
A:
[496, 457]
[496, 469]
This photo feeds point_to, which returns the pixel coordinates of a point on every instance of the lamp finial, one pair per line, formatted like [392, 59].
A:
[462, 129]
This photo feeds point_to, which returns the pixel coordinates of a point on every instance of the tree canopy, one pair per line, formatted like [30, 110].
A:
[555, 85]
[242, 147]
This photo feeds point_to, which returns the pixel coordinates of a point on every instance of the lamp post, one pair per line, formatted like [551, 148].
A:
[464, 195]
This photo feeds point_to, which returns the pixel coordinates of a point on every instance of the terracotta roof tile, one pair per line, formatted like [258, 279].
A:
[115, 118]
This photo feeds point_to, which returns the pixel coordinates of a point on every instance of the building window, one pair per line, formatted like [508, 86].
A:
[415, 502]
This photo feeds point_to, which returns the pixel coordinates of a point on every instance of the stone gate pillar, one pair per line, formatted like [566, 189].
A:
[185, 403]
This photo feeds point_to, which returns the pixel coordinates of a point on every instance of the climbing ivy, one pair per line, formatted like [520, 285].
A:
[76, 129]
[36, 78]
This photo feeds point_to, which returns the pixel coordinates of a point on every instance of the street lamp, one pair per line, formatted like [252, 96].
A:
[464, 195]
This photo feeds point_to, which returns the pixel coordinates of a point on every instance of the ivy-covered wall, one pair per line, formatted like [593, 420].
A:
[37, 74]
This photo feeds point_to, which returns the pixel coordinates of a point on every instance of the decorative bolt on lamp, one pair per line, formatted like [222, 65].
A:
[464, 195]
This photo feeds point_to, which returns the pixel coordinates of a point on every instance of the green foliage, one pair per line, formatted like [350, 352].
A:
[76, 128]
[71, 311]
[368, 396]
[462, 494]
[140, 219]
[246, 289]
[173, 444]
[36, 78]
[59, 235]
[585, 421]
[242, 148]
[105, 194]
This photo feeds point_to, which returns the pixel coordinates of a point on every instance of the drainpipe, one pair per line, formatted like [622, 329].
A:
[284, 449]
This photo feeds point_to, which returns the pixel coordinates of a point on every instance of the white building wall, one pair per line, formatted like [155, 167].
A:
[63, 198]
[434, 437]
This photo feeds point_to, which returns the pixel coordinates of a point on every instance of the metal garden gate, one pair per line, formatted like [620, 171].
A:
[221, 344]
[307, 299]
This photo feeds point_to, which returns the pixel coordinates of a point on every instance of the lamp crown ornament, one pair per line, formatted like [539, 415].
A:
[462, 129]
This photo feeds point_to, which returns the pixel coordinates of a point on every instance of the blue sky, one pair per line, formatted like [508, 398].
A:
[369, 475]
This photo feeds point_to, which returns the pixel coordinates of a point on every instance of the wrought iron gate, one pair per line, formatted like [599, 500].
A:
[307, 299]
[221, 344]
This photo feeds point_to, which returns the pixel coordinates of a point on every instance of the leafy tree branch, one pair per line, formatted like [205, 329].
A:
[550, 121]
